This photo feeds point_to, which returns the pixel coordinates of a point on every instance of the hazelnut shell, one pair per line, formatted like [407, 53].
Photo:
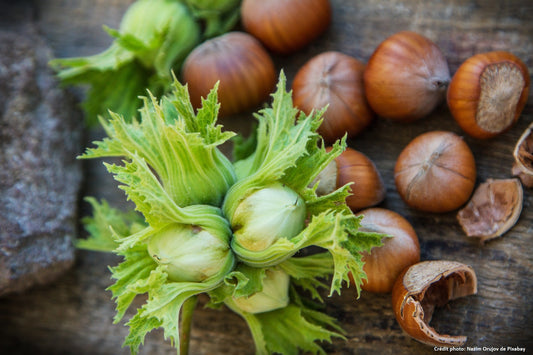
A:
[426, 285]
[285, 26]
[523, 155]
[493, 209]
[367, 187]
[243, 68]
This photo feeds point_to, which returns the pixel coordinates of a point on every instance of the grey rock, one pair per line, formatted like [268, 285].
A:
[40, 178]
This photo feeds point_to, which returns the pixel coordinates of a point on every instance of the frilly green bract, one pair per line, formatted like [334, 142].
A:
[172, 155]
[289, 151]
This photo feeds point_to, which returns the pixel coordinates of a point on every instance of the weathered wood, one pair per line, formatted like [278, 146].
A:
[74, 315]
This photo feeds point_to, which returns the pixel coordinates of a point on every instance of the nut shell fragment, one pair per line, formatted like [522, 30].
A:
[493, 209]
[523, 155]
[424, 286]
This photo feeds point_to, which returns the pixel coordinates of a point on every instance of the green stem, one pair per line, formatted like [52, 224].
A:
[185, 323]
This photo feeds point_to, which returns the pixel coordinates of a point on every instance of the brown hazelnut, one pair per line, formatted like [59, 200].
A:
[244, 69]
[334, 80]
[493, 209]
[488, 92]
[406, 77]
[424, 286]
[435, 172]
[399, 250]
[353, 167]
[285, 26]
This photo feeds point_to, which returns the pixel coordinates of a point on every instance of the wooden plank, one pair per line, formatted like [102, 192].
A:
[74, 315]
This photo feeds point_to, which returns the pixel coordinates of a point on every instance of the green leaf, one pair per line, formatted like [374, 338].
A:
[290, 331]
[105, 224]
[137, 265]
[287, 151]
[170, 149]
[165, 300]
[293, 328]
[335, 232]
[244, 147]
[310, 272]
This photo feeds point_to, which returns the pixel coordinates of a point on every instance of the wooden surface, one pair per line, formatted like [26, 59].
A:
[74, 314]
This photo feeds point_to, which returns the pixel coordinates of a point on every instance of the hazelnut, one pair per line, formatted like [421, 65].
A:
[488, 92]
[399, 250]
[286, 26]
[334, 80]
[435, 172]
[406, 77]
[354, 168]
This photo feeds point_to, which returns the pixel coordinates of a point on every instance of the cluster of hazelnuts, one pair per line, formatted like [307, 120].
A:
[404, 80]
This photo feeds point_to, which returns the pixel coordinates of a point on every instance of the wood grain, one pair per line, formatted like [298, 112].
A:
[74, 315]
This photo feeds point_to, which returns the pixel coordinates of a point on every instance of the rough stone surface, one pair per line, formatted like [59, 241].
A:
[40, 137]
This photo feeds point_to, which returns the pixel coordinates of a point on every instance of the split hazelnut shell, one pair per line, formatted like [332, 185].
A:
[488, 92]
[424, 286]
[523, 155]
[493, 209]
[435, 172]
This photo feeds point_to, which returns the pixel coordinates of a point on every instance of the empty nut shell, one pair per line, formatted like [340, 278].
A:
[493, 209]
[523, 155]
[424, 286]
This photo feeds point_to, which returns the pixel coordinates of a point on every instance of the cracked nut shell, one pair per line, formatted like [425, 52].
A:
[424, 286]
[523, 155]
[493, 209]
